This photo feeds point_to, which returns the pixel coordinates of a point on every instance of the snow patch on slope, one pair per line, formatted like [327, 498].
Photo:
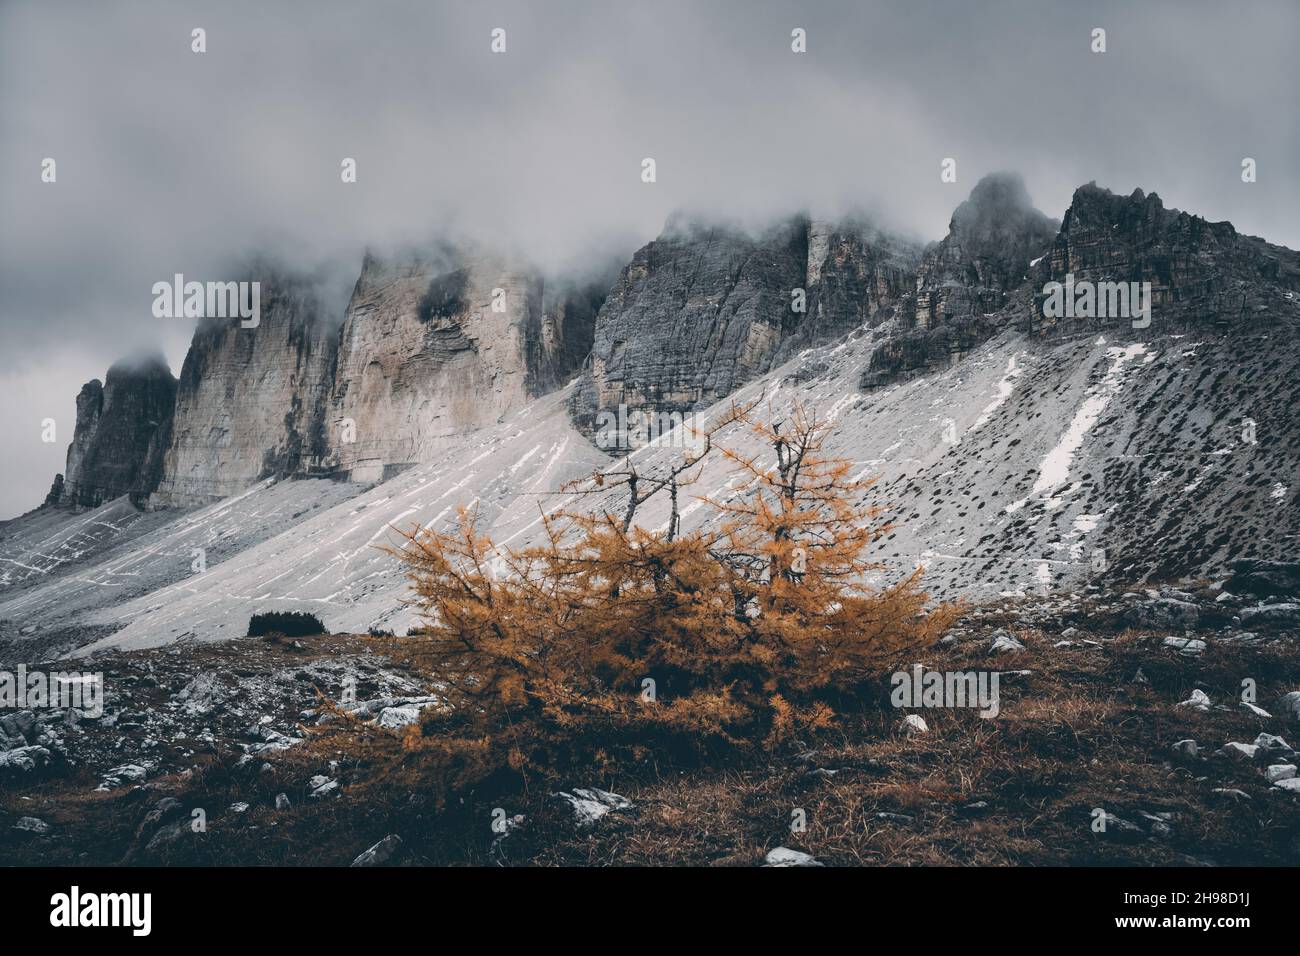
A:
[1054, 470]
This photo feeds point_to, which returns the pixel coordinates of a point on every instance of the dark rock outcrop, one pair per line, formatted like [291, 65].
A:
[857, 275]
[695, 314]
[1200, 272]
[992, 238]
[113, 443]
[967, 279]
[991, 272]
[706, 308]
[1265, 578]
[55, 493]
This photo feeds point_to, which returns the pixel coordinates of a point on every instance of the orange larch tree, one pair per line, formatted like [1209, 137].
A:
[609, 639]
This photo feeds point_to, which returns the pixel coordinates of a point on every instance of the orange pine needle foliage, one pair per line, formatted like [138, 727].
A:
[608, 638]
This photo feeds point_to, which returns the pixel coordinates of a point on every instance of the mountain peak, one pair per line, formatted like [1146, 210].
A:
[996, 193]
[143, 364]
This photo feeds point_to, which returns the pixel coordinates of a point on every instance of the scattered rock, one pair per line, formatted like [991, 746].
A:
[407, 712]
[32, 825]
[169, 834]
[1198, 701]
[591, 803]
[18, 727]
[1257, 711]
[202, 694]
[1187, 748]
[381, 853]
[1290, 704]
[282, 801]
[1158, 823]
[1273, 745]
[1243, 752]
[1185, 645]
[126, 773]
[1279, 771]
[1232, 794]
[1165, 612]
[1118, 825]
[1004, 643]
[509, 826]
[1289, 784]
[164, 808]
[784, 856]
[24, 758]
[269, 738]
[392, 712]
[914, 724]
[321, 787]
[1280, 615]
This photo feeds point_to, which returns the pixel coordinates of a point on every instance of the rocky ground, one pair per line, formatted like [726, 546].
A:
[1152, 726]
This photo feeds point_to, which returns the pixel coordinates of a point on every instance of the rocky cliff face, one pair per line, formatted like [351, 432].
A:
[696, 313]
[114, 449]
[437, 345]
[966, 279]
[705, 308]
[702, 310]
[252, 401]
[992, 238]
[1200, 272]
[991, 271]
[855, 275]
[431, 346]
[442, 342]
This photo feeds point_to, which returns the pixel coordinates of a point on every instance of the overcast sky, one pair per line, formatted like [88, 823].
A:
[171, 161]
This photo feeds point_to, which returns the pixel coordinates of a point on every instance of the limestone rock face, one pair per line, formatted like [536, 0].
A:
[970, 281]
[252, 401]
[113, 450]
[706, 308]
[90, 404]
[437, 344]
[856, 275]
[695, 314]
[1200, 272]
[992, 238]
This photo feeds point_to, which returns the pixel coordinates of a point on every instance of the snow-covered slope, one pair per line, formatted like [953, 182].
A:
[1019, 468]
[330, 561]
[1038, 464]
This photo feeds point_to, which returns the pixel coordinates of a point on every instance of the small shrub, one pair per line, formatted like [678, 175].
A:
[287, 623]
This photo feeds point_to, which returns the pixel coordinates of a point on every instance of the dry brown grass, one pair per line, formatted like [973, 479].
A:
[1075, 734]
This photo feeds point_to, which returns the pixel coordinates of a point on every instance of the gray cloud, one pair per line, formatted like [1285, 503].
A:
[169, 161]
